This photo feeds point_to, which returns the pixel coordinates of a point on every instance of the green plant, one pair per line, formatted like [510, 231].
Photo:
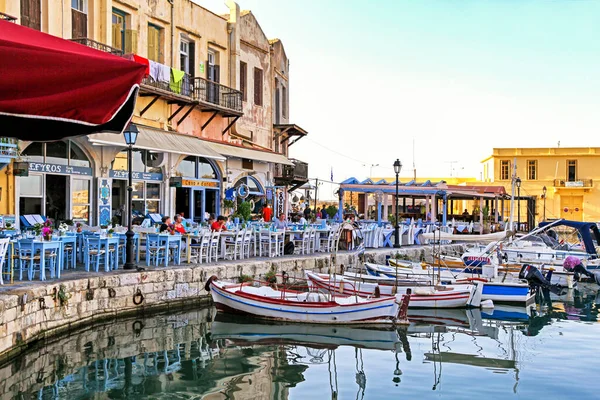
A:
[8, 225]
[37, 228]
[111, 231]
[392, 219]
[271, 276]
[115, 221]
[63, 296]
[69, 222]
[332, 211]
[486, 213]
[245, 278]
[244, 211]
[230, 204]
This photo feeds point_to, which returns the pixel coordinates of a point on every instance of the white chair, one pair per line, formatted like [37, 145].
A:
[312, 241]
[3, 249]
[201, 249]
[215, 237]
[326, 243]
[246, 244]
[233, 247]
[301, 244]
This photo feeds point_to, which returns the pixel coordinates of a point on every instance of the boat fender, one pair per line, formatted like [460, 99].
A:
[377, 292]
[207, 284]
[342, 287]
[487, 304]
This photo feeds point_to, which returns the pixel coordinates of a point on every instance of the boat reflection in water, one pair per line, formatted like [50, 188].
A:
[189, 355]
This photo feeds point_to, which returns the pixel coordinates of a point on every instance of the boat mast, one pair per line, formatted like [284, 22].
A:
[512, 195]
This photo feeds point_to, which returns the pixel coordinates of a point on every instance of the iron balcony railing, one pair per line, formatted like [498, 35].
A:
[297, 172]
[98, 46]
[7, 17]
[586, 183]
[183, 88]
[8, 147]
[211, 92]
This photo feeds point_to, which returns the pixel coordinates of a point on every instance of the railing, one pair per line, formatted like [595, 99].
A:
[98, 46]
[221, 95]
[7, 17]
[574, 184]
[183, 88]
[8, 147]
[296, 172]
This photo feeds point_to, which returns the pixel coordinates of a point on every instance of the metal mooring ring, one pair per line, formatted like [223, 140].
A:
[138, 297]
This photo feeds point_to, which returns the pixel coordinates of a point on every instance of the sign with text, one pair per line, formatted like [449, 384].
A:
[191, 182]
[140, 176]
[574, 184]
[59, 169]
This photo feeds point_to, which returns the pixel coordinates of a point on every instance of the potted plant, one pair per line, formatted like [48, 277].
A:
[78, 226]
[244, 211]
[47, 230]
[331, 211]
[62, 229]
[228, 206]
[486, 219]
[110, 232]
[37, 229]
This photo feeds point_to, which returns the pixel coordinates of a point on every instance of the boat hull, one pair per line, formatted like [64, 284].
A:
[378, 311]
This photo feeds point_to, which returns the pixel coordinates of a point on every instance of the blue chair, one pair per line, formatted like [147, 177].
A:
[156, 249]
[69, 250]
[26, 258]
[95, 252]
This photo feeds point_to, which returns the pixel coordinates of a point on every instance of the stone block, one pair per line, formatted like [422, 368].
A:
[94, 282]
[10, 301]
[163, 286]
[129, 279]
[126, 291]
[10, 314]
[183, 275]
[109, 281]
[169, 275]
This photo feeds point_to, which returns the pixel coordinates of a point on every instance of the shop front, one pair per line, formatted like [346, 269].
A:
[197, 188]
[59, 182]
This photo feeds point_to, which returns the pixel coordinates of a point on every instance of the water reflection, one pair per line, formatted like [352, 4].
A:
[199, 355]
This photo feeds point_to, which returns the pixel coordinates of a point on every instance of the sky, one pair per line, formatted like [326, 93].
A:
[443, 80]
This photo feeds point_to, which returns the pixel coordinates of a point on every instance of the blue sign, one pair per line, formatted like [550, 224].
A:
[230, 194]
[59, 169]
[142, 176]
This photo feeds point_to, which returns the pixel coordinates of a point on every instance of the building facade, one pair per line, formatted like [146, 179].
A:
[203, 130]
[559, 182]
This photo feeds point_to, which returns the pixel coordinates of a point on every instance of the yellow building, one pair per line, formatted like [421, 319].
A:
[569, 175]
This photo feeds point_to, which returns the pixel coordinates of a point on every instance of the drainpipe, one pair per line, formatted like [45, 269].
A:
[172, 30]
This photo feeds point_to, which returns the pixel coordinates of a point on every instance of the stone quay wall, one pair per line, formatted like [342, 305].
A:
[46, 309]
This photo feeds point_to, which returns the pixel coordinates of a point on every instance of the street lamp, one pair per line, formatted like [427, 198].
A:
[544, 196]
[397, 168]
[131, 134]
[518, 182]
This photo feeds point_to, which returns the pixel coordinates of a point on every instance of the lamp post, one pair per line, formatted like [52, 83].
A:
[544, 195]
[397, 168]
[131, 134]
[518, 182]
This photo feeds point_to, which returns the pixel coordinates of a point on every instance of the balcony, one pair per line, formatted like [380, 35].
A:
[578, 184]
[8, 151]
[7, 17]
[98, 46]
[291, 175]
[212, 95]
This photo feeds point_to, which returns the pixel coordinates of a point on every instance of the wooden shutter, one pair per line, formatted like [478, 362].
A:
[31, 14]
[192, 59]
[258, 85]
[78, 24]
[243, 80]
[131, 41]
[217, 73]
[117, 36]
[152, 44]
[284, 101]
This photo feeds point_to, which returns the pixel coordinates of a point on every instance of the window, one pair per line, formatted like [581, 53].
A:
[247, 164]
[258, 86]
[78, 19]
[118, 29]
[504, 170]
[284, 101]
[532, 169]
[146, 198]
[31, 14]
[80, 189]
[56, 153]
[142, 161]
[184, 56]
[571, 170]
[62, 153]
[154, 43]
[196, 167]
[244, 80]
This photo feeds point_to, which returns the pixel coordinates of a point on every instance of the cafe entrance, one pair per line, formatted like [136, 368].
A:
[197, 189]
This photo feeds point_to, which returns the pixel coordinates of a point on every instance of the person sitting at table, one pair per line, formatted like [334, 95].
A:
[219, 224]
[280, 223]
[178, 227]
[210, 220]
[166, 224]
[466, 215]
[302, 220]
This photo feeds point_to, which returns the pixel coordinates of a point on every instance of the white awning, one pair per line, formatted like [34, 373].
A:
[240, 152]
[161, 141]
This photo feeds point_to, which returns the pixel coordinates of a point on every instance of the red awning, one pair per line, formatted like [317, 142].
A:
[51, 88]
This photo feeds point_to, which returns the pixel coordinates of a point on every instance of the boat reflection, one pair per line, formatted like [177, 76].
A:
[192, 355]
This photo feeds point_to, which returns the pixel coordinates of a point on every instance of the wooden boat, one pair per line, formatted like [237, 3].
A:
[308, 307]
[320, 335]
[421, 296]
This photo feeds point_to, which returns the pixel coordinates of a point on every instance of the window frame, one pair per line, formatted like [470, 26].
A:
[160, 30]
[244, 80]
[258, 86]
[284, 102]
[569, 164]
[504, 164]
[532, 169]
[184, 53]
[80, 3]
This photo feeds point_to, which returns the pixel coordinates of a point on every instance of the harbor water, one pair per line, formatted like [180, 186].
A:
[548, 350]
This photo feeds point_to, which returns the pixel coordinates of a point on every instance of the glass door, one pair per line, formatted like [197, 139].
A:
[198, 207]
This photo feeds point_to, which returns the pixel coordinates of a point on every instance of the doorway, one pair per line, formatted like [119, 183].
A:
[182, 201]
[56, 197]
[210, 202]
[197, 212]
[571, 207]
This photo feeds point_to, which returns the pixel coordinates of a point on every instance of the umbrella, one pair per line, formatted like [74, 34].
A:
[51, 88]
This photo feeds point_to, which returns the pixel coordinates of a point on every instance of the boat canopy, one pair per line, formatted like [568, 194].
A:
[585, 229]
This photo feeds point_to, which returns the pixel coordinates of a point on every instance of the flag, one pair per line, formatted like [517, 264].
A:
[331, 174]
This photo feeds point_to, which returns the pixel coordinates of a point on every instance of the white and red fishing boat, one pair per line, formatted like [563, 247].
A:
[308, 307]
[458, 296]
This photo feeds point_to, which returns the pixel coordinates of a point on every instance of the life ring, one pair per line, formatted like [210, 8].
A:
[208, 282]
[243, 191]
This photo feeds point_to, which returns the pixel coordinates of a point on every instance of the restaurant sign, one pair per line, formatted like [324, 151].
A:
[59, 169]
[190, 182]
[142, 176]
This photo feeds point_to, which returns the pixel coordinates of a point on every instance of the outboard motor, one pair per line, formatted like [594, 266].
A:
[534, 277]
